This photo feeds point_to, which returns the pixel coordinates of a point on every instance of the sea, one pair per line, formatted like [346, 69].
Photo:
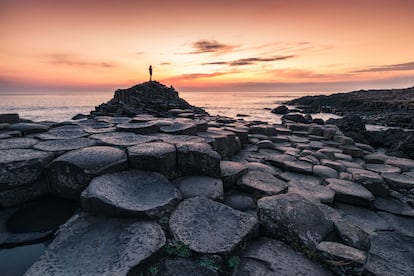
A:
[60, 107]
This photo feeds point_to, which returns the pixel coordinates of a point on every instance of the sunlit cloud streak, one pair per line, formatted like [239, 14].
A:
[392, 67]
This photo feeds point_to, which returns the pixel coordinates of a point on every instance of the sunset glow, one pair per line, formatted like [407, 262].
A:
[227, 45]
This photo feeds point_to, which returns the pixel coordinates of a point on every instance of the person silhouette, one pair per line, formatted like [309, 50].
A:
[150, 72]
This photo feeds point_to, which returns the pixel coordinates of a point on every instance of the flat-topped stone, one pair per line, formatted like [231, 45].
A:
[256, 166]
[113, 119]
[376, 158]
[393, 206]
[240, 201]
[122, 138]
[398, 181]
[193, 186]
[207, 226]
[325, 172]
[374, 182]
[130, 193]
[17, 143]
[28, 128]
[180, 128]
[272, 257]
[9, 118]
[139, 128]
[350, 192]
[291, 176]
[382, 168]
[402, 163]
[65, 145]
[334, 165]
[70, 173]
[306, 225]
[231, 172]
[198, 159]
[310, 190]
[403, 225]
[262, 182]
[88, 245]
[21, 166]
[155, 156]
[298, 166]
[63, 132]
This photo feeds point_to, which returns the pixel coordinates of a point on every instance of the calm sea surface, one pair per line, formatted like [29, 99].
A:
[61, 107]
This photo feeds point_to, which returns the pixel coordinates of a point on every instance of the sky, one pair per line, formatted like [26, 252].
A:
[211, 45]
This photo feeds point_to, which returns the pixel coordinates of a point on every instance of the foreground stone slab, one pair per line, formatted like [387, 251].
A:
[350, 192]
[262, 182]
[198, 159]
[122, 138]
[17, 143]
[403, 225]
[88, 245]
[21, 166]
[193, 186]
[320, 193]
[240, 201]
[130, 193]
[393, 206]
[70, 173]
[29, 128]
[180, 128]
[398, 181]
[272, 257]
[63, 132]
[370, 180]
[65, 145]
[231, 172]
[342, 259]
[298, 166]
[305, 225]
[207, 226]
[390, 254]
[402, 163]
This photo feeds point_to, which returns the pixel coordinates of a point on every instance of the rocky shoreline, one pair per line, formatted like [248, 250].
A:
[168, 190]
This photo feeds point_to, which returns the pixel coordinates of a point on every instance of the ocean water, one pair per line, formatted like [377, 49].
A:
[62, 107]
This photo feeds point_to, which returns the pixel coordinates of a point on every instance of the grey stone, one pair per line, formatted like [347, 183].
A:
[21, 166]
[298, 167]
[325, 172]
[370, 180]
[155, 156]
[28, 128]
[65, 145]
[272, 257]
[70, 173]
[403, 225]
[21, 194]
[9, 118]
[342, 156]
[352, 150]
[17, 143]
[262, 182]
[390, 254]
[343, 259]
[182, 266]
[113, 119]
[263, 129]
[398, 181]
[198, 158]
[193, 186]
[350, 192]
[402, 163]
[180, 128]
[122, 138]
[349, 164]
[293, 219]
[278, 160]
[240, 201]
[310, 190]
[334, 165]
[138, 128]
[62, 133]
[376, 158]
[207, 226]
[88, 245]
[382, 168]
[130, 193]
[393, 206]
[291, 176]
[231, 172]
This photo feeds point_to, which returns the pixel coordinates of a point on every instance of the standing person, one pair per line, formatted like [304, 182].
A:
[150, 72]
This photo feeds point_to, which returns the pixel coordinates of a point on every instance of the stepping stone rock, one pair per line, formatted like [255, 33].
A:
[370, 180]
[180, 128]
[210, 227]
[398, 181]
[293, 219]
[393, 206]
[193, 186]
[155, 156]
[65, 145]
[240, 201]
[130, 193]
[350, 192]
[231, 172]
[325, 172]
[403, 225]
[198, 158]
[318, 192]
[113, 120]
[21, 166]
[376, 158]
[382, 168]
[272, 257]
[262, 182]
[17, 143]
[124, 139]
[298, 167]
[390, 254]
[342, 259]
[28, 128]
[88, 245]
[306, 179]
[63, 133]
[256, 166]
[352, 150]
[138, 128]
[402, 163]
[334, 165]
[182, 266]
[70, 173]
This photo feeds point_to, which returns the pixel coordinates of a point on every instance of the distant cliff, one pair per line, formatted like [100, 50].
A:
[146, 98]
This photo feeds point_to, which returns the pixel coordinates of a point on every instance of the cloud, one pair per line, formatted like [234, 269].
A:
[165, 63]
[74, 61]
[249, 61]
[211, 46]
[392, 67]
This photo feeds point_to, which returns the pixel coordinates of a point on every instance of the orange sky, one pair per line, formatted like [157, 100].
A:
[212, 45]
